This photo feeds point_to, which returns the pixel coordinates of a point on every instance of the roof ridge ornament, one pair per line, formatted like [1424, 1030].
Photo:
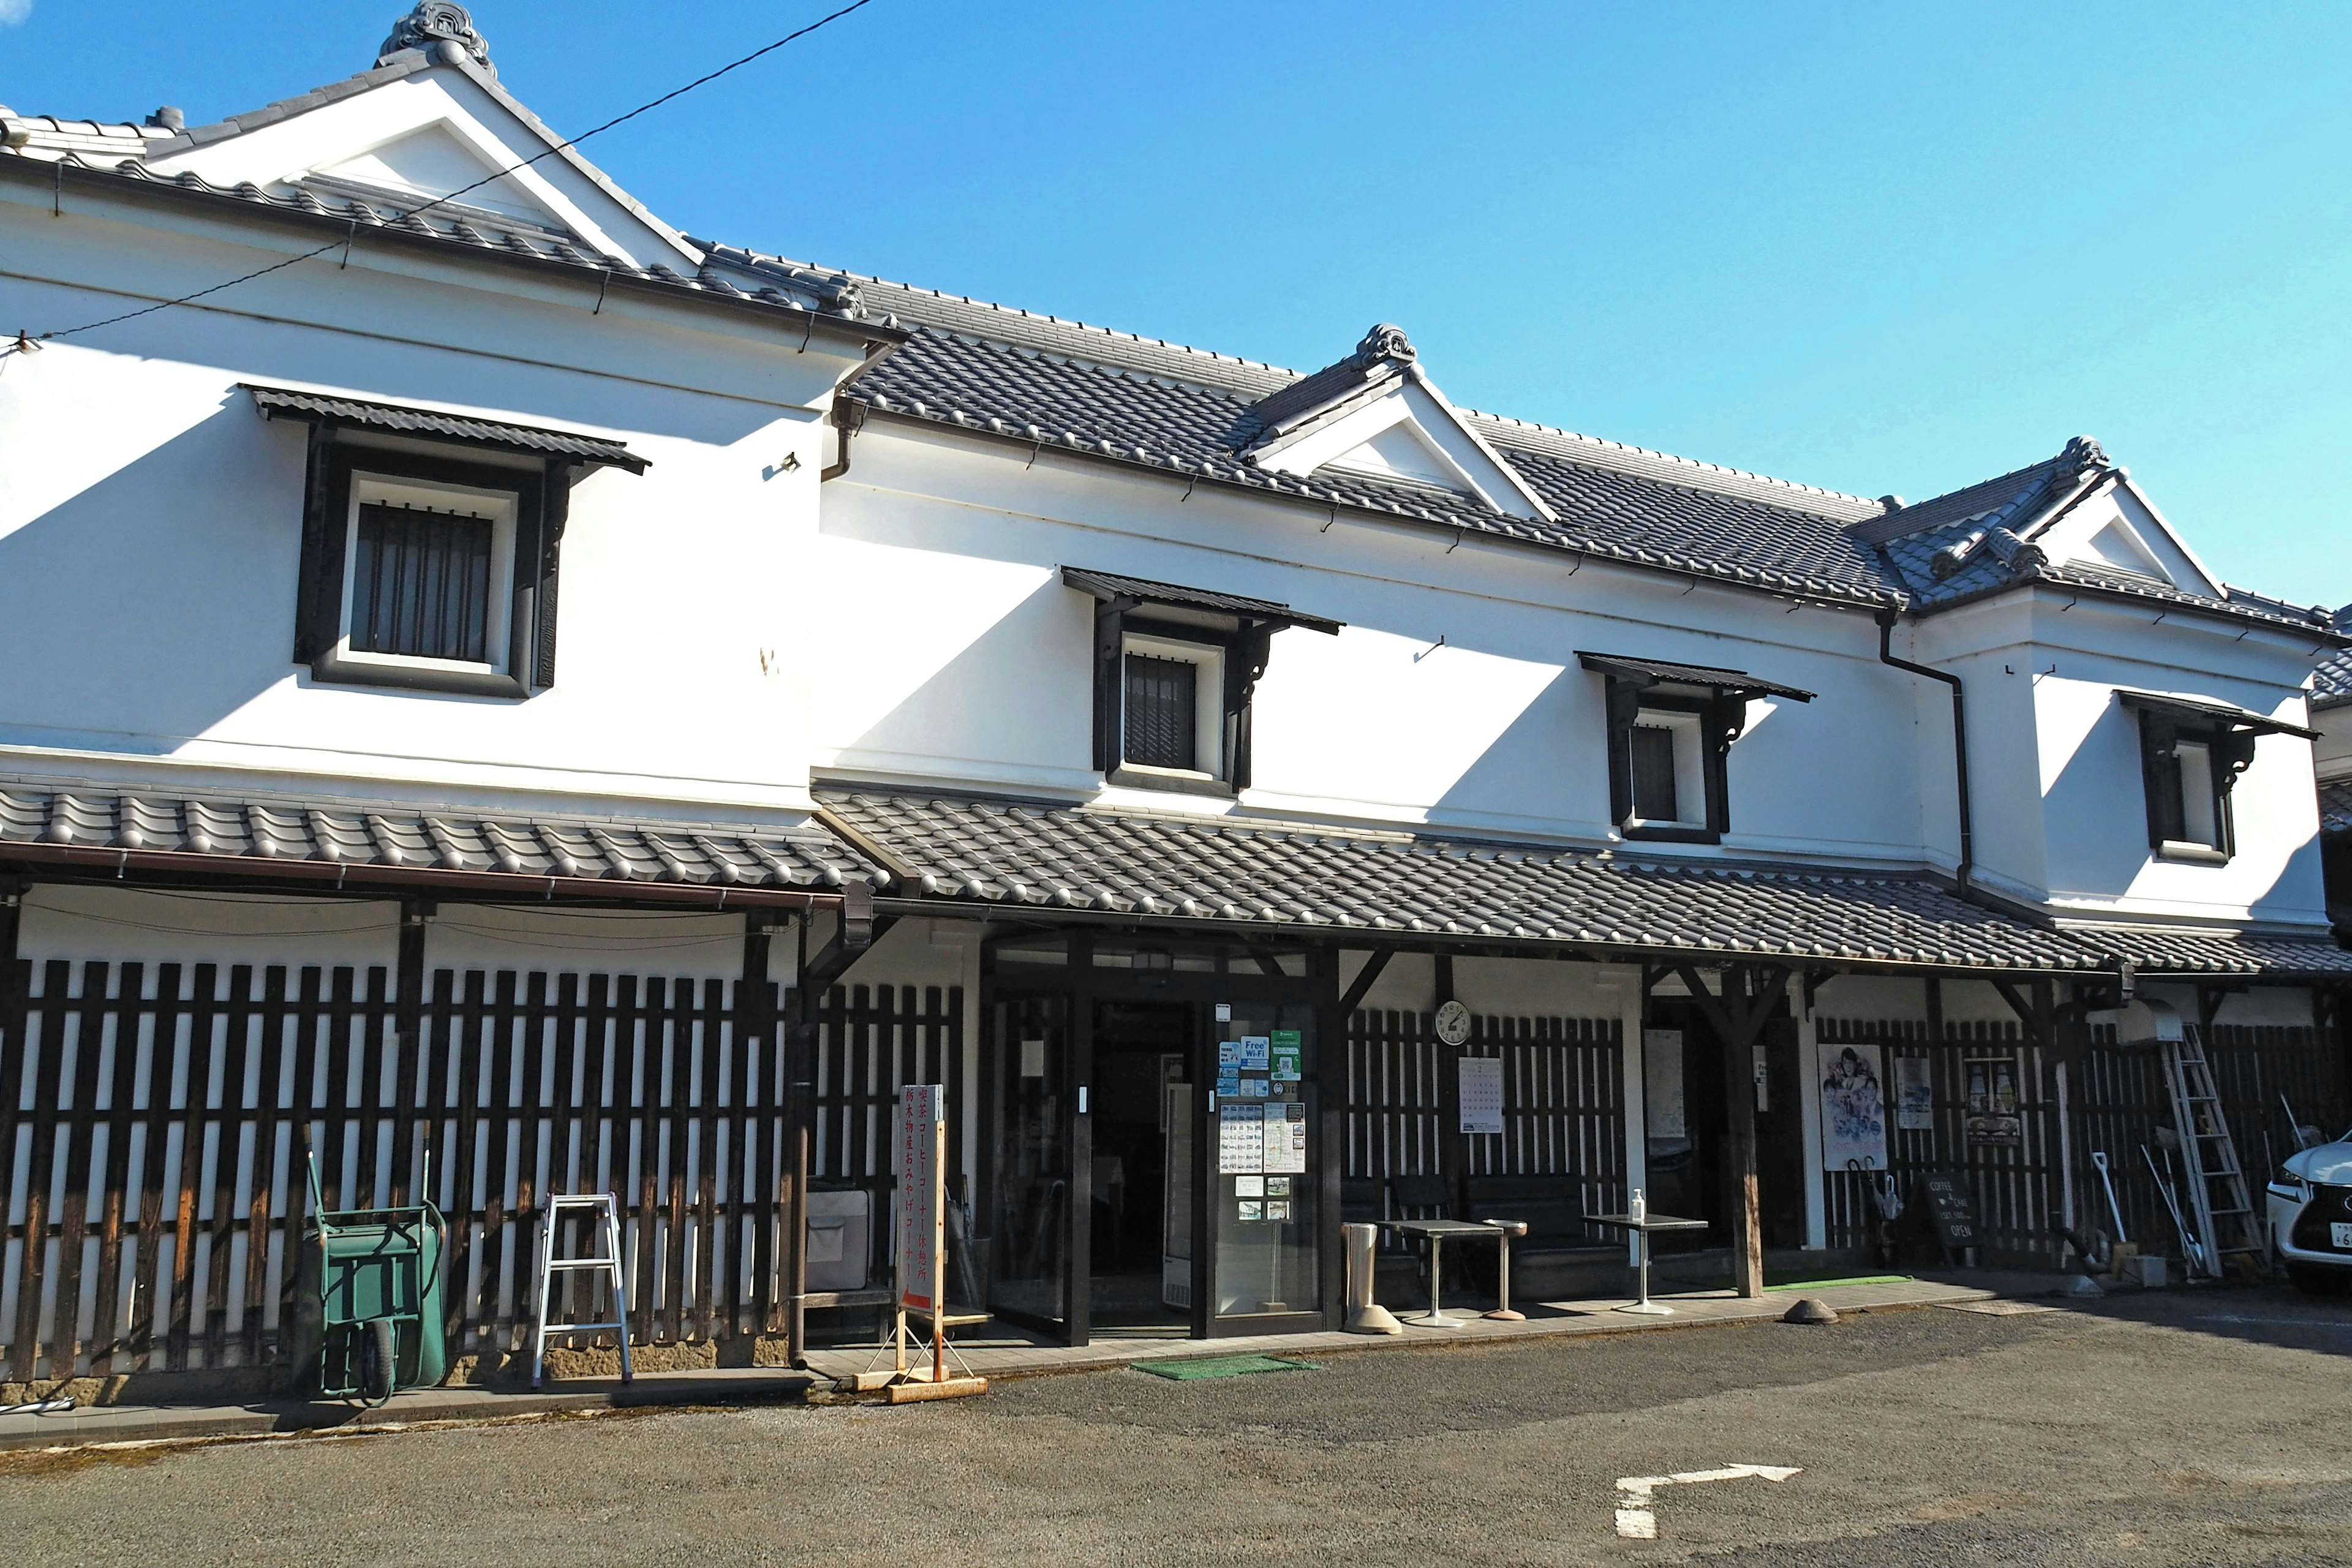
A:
[2082, 453]
[442, 30]
[1385, 343]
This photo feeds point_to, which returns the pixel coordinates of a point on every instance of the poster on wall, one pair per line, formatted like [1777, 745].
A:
[1482, 1094]
[1992, 1116]
[1915, 1095]
[1854, 1110]
[1286, 1137]
[1661, 1085]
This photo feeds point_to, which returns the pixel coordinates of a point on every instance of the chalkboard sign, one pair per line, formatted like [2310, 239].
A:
[1955, 1212]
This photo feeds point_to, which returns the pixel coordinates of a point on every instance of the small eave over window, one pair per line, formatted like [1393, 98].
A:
[431, 542]
[1670, 730]
[1175, 671]
[2191, 751]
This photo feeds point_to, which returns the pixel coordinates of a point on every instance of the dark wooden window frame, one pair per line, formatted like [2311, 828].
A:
[2231, 751]
[541, 490]
[1245, 651]
[1722, 717]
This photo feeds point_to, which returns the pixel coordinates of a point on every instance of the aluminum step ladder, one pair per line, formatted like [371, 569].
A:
[603, 1219]
[2219, 1201]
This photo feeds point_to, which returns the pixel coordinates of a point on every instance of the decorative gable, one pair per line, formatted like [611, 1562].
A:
[1377, 415]
[435, 161]
[429, 121]
[2116, 529]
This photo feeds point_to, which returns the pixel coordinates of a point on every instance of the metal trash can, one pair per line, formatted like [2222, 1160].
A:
[368, 1317]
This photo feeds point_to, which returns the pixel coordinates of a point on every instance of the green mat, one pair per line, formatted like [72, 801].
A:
[1857, 1280]
[1199, 1367]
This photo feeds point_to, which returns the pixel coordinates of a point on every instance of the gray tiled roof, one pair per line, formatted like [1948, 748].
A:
[1045, 856]
[392, 217]
[2336, 806]
[276, 829]
[1198, 429]
[1980, 540]
[272, 400]
[2331, 685]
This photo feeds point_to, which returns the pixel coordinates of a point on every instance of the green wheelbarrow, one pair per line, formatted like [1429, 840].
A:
[367, 1305]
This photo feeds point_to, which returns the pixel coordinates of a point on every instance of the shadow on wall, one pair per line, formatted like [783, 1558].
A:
[2096, 818]
[993, 675]
[151, 605]
[146, 608]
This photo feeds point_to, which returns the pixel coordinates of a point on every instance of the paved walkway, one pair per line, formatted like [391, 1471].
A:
[991, 1351]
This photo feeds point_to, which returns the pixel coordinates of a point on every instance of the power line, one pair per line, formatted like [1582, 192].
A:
[20, 345]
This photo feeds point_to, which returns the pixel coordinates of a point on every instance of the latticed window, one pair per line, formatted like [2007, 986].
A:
[421, 584]
[1161, 718]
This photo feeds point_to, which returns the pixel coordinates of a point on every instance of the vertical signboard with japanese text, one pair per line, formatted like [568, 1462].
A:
[921, 1169]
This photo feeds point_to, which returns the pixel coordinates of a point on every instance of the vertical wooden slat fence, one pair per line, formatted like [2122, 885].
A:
[1563, 1101]
[1393, 1104]
[2116, 1100]
[156, 1119]
[1563, 1104]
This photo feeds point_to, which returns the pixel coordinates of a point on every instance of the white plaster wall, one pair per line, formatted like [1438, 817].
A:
[1871, 997]
[81, 923]
[2060, 807]
[557, 941]
[149, 524]
[985, 678]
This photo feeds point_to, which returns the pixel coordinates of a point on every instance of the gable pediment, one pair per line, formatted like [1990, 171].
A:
[1377, 415]
[2116, 529]
[434, 161]
[418, 130]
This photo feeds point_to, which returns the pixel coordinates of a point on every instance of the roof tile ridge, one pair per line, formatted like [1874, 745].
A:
[1019, 312]
[1704, 467]
[316, 97]
[1087, 363]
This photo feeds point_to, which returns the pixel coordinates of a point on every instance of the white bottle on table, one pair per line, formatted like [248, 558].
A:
[1640, 1208]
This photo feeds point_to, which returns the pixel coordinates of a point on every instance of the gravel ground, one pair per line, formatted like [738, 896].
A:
[2207, 1428]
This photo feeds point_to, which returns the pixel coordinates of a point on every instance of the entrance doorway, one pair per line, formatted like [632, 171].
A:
[1141, 1272]
[1690, 1127]
[1152, 1138]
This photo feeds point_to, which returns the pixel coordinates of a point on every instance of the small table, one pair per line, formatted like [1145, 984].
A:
[1434, 1232]
[1642, 1228]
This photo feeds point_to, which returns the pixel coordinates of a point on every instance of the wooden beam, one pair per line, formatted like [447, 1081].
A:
[1360, 987]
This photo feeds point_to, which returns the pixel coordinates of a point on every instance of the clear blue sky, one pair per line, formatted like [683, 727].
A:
[1876, 247]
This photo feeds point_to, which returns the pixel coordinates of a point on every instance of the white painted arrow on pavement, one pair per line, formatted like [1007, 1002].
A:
[1637, 1519]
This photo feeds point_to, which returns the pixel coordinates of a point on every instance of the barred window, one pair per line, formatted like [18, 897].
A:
[1163, 720]
[421, 582]
[1654, 774]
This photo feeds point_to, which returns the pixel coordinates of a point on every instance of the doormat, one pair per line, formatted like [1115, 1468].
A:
[1857, 1280]
[1198, 1367]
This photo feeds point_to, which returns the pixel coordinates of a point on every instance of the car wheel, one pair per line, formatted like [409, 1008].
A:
[2320, 1281]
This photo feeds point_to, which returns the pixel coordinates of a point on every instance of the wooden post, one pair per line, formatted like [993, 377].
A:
[1739, 1105]
[798, 1039]
[1453, 1143]
[408, 1029]
[1750, 992]
[755, 1027]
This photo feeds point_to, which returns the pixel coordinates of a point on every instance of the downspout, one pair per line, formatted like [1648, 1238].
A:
[848, 418]
[1960, 740]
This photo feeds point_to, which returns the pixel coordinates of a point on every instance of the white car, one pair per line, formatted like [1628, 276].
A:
[2311, 1217]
